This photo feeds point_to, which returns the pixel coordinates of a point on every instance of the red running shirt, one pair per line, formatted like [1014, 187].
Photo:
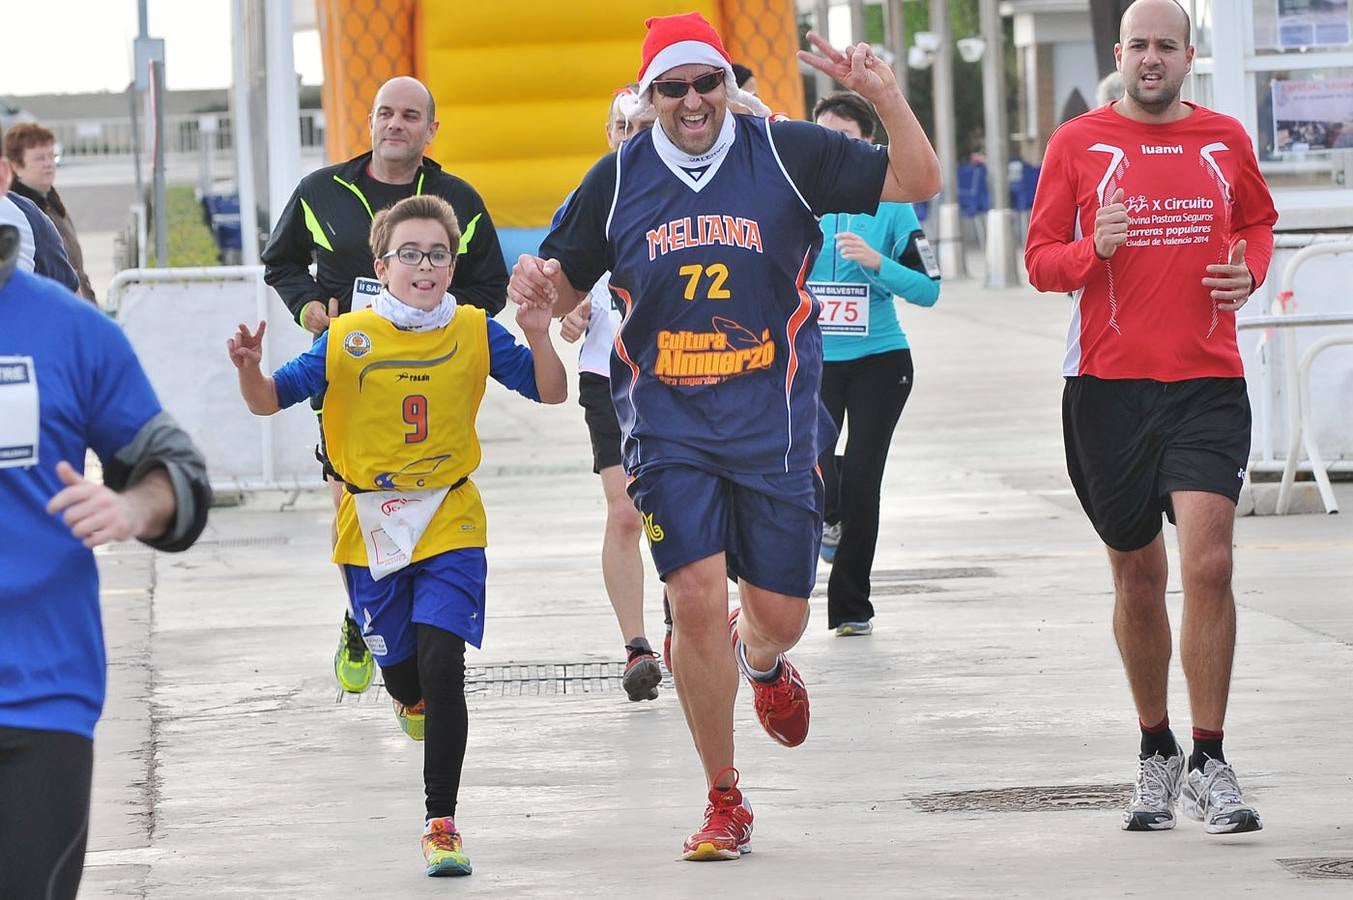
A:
[1193, 189]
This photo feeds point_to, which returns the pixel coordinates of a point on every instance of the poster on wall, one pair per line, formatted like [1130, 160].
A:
[1312, 116]
[1313, 23]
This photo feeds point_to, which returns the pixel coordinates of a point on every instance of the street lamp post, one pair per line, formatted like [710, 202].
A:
[1000, 248]
[942, 73]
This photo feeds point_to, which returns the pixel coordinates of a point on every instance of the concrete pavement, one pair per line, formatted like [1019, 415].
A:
[979, 743]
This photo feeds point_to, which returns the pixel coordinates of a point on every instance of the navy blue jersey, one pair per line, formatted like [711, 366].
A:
[718, 359]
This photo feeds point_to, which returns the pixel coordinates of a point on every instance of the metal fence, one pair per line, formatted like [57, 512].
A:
[184, 133]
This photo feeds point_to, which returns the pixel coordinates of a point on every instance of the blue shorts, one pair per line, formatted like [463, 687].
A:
[446, 591]
[769, 526]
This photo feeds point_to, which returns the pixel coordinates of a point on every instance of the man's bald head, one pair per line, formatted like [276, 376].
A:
[401, 87]
[1155, 5]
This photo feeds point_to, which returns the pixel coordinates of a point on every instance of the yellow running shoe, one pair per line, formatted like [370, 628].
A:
[353, 665]
[411, 718]
[442, 848]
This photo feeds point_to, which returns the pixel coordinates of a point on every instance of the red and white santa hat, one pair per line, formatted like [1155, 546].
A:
[683, 40]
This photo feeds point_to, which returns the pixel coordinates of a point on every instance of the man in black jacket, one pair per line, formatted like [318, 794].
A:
[327, 221]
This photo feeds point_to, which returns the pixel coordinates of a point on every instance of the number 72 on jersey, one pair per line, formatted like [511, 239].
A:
[845, 307]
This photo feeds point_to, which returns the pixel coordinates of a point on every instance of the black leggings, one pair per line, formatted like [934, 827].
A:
[869, 394]
[436, 675]
[44, 812]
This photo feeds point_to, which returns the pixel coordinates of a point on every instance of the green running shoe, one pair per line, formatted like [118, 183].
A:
[411, 718]
[353, 666]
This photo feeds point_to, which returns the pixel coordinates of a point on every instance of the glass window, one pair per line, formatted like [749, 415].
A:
[1305, 133]
[1199, 89]
[1200, 12]
[1302, 26]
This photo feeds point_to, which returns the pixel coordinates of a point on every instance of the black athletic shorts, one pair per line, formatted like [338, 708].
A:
[594, 396]
[1131, 442]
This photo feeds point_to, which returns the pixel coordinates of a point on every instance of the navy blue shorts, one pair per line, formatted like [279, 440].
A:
[446, 591]
[770, 526]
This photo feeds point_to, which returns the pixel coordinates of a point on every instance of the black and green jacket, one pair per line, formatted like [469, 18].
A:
[328, 221]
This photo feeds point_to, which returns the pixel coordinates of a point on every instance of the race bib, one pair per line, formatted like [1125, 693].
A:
[19, 426]
[364, 292]
[845, 307]
[392, 522]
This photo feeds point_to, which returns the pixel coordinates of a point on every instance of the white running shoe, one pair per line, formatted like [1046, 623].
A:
[1159, 781]
[831, 539]
[1212, 797]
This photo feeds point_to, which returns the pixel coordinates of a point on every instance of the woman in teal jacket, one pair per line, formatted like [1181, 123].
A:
[867, 366]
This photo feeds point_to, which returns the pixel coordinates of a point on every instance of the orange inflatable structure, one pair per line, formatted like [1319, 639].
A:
[522, 86]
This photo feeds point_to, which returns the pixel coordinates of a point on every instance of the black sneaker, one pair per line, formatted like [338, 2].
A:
[642, 672]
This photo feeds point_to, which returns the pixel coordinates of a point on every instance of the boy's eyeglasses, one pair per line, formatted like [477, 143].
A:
[677, 89]
[412, 256]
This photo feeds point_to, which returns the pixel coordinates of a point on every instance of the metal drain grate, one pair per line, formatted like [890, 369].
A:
[1027, 799]
[932, 574]
[891, 590]
[536, 679]
[1320, 867]
[234, 543]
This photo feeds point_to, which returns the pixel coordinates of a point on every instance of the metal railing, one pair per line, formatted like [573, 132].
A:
[184, 133]
[1297, 372]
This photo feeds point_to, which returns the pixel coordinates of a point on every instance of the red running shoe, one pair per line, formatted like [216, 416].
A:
[727, 833]
[782, 704]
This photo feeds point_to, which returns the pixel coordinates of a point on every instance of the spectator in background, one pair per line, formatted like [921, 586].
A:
[1111, 88]
[40, 250]
[31, 149]
[744, 77]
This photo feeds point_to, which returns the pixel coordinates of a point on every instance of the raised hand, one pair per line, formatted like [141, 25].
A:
[1111, 226]
[574, 324]
[856, 68]
[247, 349]
[1231, 282]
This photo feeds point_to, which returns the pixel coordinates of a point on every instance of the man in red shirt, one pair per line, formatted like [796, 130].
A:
[1153, 213]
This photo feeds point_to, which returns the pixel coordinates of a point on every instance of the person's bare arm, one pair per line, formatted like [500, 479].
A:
[913, 169]
[246, 352]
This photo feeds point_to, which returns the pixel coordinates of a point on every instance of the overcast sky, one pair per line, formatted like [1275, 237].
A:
[73, 46]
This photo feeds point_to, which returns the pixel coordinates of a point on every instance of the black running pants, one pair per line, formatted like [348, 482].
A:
[44, 812]
[868, 394]
[436, 675]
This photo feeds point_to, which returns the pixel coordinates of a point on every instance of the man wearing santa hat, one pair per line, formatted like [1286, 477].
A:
[709, 227]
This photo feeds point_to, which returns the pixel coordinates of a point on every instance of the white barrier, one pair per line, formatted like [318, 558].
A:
[178, 321]
[1295, 410]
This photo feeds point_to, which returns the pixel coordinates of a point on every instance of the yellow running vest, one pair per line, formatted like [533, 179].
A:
[399, 415]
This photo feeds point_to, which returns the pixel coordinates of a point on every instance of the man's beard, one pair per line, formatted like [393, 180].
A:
[1158, 103]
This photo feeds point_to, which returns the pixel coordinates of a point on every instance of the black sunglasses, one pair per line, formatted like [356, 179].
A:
[678, 89]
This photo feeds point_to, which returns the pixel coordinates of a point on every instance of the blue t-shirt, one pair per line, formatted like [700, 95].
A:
[510, 364]
[92, 393]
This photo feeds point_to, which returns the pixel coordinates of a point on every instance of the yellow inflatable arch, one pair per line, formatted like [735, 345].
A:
[522, 86]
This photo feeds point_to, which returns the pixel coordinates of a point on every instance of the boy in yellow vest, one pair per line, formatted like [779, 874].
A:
[404, 381]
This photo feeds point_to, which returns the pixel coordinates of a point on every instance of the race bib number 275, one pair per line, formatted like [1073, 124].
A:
[845, 307]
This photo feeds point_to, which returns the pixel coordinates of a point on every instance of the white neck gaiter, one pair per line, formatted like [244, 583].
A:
[410, 318]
